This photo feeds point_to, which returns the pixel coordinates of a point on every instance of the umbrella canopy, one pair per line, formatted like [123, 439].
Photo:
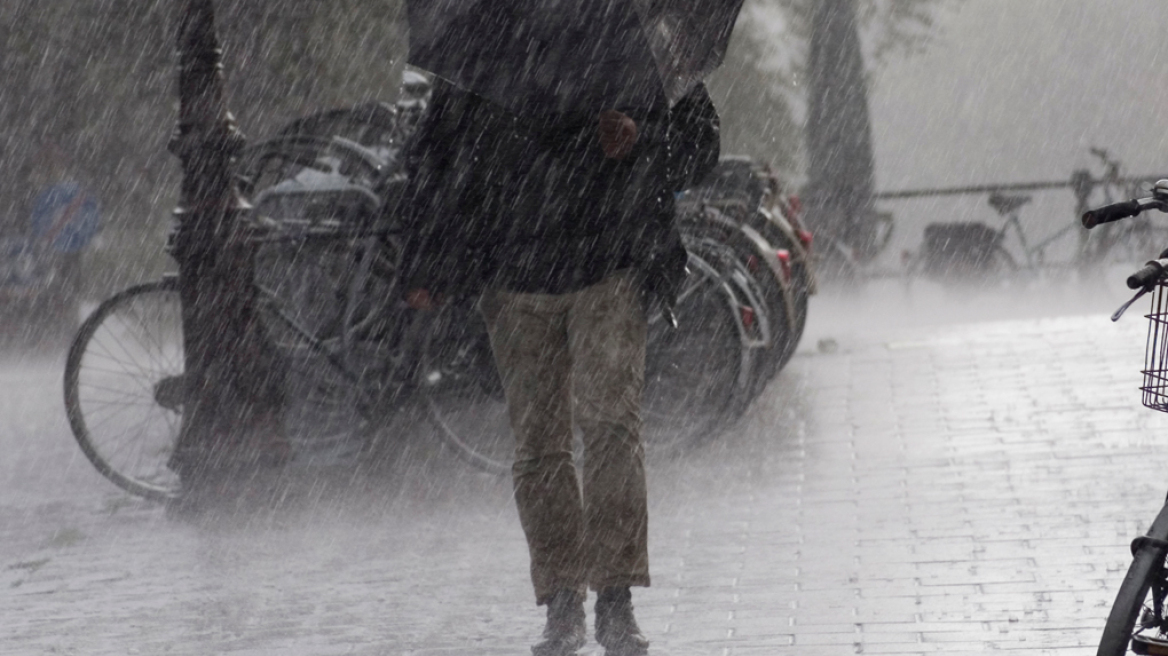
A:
[571, 55]
[688, 39]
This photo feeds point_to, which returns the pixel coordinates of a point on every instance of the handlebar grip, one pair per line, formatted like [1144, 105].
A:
[1151, 272]
[1109, 213]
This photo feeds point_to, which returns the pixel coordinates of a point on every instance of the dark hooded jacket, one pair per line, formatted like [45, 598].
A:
[530, 204]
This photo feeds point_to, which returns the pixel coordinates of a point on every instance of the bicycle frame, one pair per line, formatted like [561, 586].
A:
[1035, 256]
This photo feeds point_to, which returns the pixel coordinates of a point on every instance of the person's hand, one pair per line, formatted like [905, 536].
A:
[420, 299]
[618, 134]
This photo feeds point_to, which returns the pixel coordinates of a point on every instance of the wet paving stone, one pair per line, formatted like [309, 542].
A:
[962, 489]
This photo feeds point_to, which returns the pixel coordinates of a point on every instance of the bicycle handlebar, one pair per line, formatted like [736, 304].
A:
[1151, 272]
[1115, 212]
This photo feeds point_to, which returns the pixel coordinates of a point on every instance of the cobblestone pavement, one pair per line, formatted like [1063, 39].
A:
[959, 487]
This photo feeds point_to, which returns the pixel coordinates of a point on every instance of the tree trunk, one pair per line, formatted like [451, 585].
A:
[839, 134]
[234, 395]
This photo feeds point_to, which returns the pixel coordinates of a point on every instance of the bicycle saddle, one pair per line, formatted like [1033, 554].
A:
[1004, 204]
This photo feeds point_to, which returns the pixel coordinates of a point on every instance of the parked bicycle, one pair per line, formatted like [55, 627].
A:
[747, 206]
[960, 252]
[1138, 621]
[973, 250]
[355, 359]
[1118, 242]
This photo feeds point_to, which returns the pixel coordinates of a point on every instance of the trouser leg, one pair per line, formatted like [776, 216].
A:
[530, 341]
[607, 332]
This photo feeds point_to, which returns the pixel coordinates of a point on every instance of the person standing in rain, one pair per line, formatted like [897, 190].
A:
[545, 187]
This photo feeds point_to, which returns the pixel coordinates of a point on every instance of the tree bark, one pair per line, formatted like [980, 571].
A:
[839, 133]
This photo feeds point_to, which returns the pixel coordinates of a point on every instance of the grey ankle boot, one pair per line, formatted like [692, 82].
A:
[566, 630]
[616, 628]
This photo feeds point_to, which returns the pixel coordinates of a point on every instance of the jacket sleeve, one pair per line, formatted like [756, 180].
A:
[694, 138]
[428, 210]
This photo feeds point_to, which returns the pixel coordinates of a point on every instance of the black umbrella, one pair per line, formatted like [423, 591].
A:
[571, 55]
[688, 38]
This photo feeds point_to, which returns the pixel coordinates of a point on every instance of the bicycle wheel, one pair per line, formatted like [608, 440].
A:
[123, 388]
[1138, 621]
[759, 299]
[338, 289]
[965, 255]
[1000, 264]
[696, 375]
[788, 335]
[788, 310]
[462, 391]
[331, 378]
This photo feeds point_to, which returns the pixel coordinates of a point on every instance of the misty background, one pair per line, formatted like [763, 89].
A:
[961, 92]
[1015, 91]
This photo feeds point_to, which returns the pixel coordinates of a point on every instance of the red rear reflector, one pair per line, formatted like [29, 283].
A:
[805, 238]
[747, 315]
[784, 256]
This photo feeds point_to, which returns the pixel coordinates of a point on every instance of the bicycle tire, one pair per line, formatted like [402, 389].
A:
[469, 451]
[801, 301]
[759, 299]
[997, 268]
[698, 375]
[135, 388]
[1001, 262]
[462, 392]
[745, 205]
[1147, 567]
[789, 334]
[959, 264]
[760, 284]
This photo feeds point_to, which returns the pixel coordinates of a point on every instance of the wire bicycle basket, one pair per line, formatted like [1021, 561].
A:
[1155, 387]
